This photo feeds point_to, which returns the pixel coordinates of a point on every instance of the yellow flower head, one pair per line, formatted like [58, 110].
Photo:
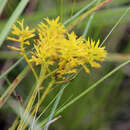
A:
[78, 51]
[47, 47]
[22, 35]
[56, 47]
[52, 30]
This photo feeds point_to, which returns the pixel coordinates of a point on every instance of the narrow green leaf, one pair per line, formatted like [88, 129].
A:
[87, 91]
[79, 12]
[12, 19]
[2, 5]
[12, 87]
[11, 68]
[55, 105]
[92, 87]
[89, 22]
[117, 23]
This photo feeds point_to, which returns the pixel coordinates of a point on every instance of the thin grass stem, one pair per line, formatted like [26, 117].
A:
[86, 91]
[14, 84]
[79, 12]
[45, 93]
[87, 13]
[2, 5]
[33, 96]
[12, 19]
[117, 23]
[89, 22]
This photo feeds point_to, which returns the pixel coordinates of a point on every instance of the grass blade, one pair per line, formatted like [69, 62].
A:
[79, 12]
[19, 110]
[55, 105]
[89, 22]
[122, 16]
[11, 68]
[11, 88]
[2, 5]
[12, 19]
[87, 90]
[87, 13]
[92, 87]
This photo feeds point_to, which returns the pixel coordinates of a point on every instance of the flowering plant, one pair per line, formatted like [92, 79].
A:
[56, 47]
[58, 52]
[55, 55]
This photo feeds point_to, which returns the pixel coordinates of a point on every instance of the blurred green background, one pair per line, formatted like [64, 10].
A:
[105, 108]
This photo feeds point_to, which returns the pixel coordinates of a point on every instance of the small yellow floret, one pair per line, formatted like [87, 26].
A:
[22, 36]
[21, 33]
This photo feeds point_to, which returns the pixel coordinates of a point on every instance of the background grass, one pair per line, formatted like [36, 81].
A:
[104, 108]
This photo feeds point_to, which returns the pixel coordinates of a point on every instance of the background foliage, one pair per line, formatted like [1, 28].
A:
[104, 108]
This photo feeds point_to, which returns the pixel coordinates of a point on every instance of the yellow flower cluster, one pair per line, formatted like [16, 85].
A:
[56, 47]
[22, 35]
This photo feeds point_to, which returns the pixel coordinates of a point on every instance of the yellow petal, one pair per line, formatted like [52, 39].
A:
[14, 48]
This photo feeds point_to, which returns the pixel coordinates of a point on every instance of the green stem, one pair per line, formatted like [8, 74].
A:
[61, 10]
[27, 60]
[11, 88]
[12, 19]
[92, 87]
[55, 105]
[86, 91]
[31, 67]
[45, 93]
[2, 5]
[83, 16]
[33, 96]
[89, 22]
[13, 127]
[117, 23]
[79, 12]
[11, 68]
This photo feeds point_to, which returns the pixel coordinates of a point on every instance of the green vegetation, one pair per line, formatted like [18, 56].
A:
[98, 100]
